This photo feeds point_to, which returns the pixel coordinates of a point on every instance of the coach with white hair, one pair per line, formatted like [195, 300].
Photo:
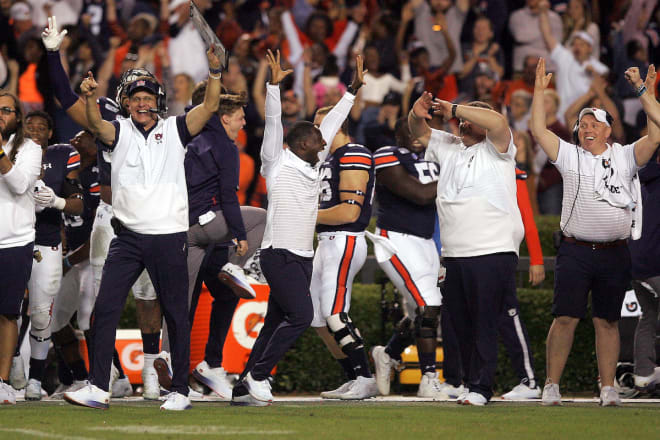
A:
[601, 208]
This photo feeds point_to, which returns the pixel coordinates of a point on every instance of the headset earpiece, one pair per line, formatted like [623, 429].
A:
[576, 127]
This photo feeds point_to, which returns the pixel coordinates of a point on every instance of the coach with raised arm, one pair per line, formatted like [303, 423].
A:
[601, 209]
[150, 203]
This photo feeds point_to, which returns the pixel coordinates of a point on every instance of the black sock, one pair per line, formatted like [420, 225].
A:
[115, 360]
[358, 358]
[79, 370]
[427, 362]
[348, 368]
[37, 369]
[64, 374]
[151, 343]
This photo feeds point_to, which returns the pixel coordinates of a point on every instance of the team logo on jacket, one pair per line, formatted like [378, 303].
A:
[606, 163]
[158, 137]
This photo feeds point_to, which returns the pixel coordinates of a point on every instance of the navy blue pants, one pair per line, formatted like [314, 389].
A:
[290, 309]
[475, 289]
[15, 267]
[164, 257]
[222, 308]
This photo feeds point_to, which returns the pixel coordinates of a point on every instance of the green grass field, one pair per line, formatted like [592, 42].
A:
[331, 420]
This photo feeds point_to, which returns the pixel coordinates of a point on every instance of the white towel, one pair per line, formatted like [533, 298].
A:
[384, 249]
[610, 186]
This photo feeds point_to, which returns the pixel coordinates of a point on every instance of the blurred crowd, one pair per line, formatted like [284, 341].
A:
[461, 51]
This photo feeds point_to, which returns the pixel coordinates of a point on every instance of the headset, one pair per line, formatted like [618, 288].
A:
[126, 79]
[153, 87]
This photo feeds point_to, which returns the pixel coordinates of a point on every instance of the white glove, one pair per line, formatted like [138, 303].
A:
[51, 37]
[47, 198]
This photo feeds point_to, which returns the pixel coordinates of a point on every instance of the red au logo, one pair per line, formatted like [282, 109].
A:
[158, 136]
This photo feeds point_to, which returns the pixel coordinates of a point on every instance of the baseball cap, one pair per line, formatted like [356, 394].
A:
[599, 114]
[20, 12]
[144, 85]
[583, 35]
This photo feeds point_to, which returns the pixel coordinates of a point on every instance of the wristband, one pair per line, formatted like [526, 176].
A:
[351, 90]
[66, 263]
[2, 153]
[215, 71]
[641, 90]
[453, 110]
[214, 76]
[59, 203]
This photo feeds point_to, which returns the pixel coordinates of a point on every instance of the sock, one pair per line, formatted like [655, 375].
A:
[150, 342]
[348, 368]
[79, 370]
[149, 359]
[427, 362]
[64, 374]
[358, 358]
[37, 368]
[115, 360]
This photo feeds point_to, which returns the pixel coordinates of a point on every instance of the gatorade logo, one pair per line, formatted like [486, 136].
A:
[248, 321]
[132, 357]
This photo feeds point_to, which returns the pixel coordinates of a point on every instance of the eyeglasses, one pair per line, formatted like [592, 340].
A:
[7, 110]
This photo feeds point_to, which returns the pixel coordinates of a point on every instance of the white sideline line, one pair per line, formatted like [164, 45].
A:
[189, 430]
[42, 434]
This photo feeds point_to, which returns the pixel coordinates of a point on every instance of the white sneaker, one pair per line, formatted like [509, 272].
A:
[90, 396]
[452, 391]
[383, 368]
[609, 397]
[462, 396]
[151, 387]
[214, 378]
[163, 367]
[233, 277]
[337, 393]
[259, 389]
[7, 394]
[176, 402]
[522, 391]
[474, 399]
[58, 394]
[430, 386]
[122, 388]
[551, 396]
[33, 390]
[246, 400]
[644, 383]
[17, 374]
[363, 388]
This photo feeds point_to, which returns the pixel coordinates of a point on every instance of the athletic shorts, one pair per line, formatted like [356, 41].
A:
[16, 264]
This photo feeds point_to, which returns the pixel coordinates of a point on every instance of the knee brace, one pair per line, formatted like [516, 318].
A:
[40, 317]
[426, 322]
[347, 336]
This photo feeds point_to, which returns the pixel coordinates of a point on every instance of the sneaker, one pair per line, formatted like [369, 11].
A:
[462, 396]
[252, 268]
[33, 390]
[363, 388]
[474, 399]
[122, 388]
[151, 387]
[58, 394]
[17, 374]
[337, 393]
[452, 391]
[383, 368]
[233, 277]
[241, 397]
[551, 396]
[429, 386]
[90, 396]
[522, 391]
[214, 378]
[176, 402]
[648, 383]
[163, 367]
[7, 394]
[609, 397]
[259, 389]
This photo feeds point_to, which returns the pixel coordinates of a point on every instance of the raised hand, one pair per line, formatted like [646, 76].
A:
[633, 77]
[276, 72]
[358, 76]
[214, 60]
[423, 105]
[442, 107]
[542, 80]
[89, 85]
[51, 37]
[649, 82]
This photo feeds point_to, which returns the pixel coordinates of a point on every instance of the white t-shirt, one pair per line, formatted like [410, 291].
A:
[587, 218]
[571, 77]
[476, 201]
[17, 215]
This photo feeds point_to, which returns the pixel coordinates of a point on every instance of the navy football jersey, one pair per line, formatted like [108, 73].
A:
[59, 160]
[78, 228]
[348, 157]
[109, 112]
[396, 213]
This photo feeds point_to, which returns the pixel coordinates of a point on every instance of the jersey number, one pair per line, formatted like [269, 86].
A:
[427, 172]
